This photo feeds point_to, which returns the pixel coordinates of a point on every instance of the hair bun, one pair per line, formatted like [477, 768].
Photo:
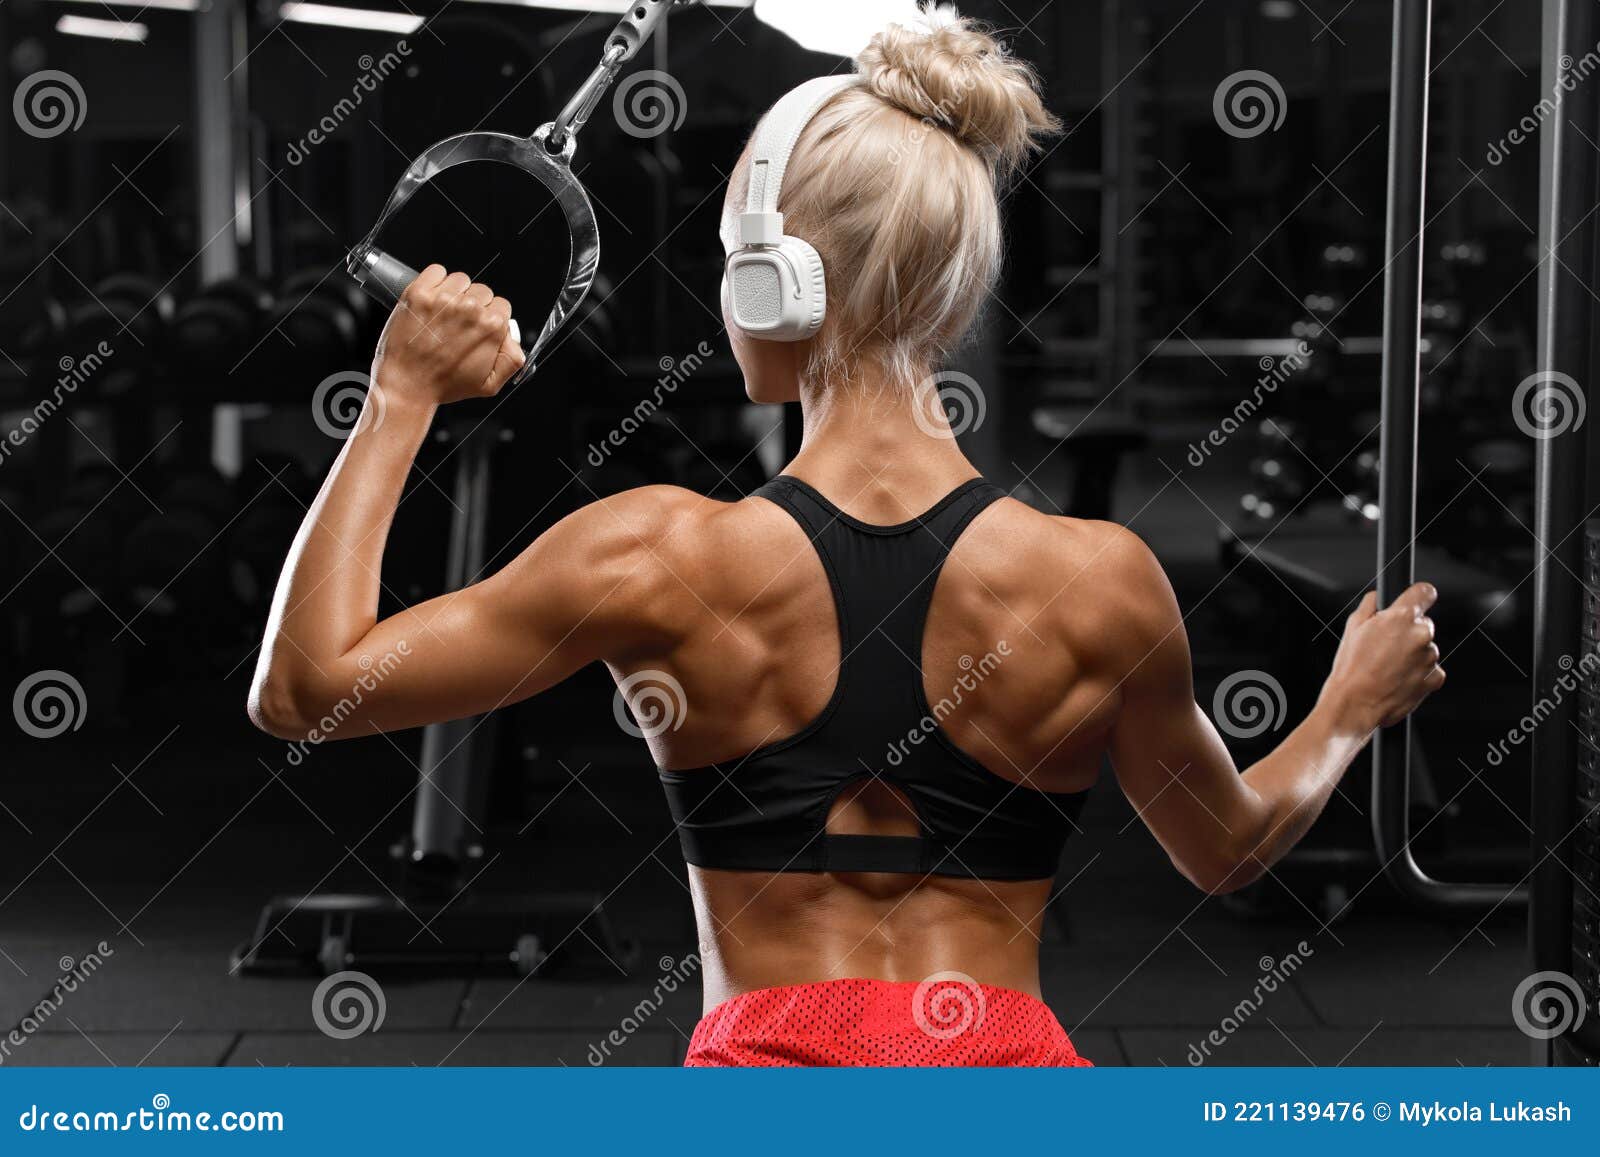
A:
[952, 72]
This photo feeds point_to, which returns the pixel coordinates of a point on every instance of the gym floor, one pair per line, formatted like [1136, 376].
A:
[163, 840]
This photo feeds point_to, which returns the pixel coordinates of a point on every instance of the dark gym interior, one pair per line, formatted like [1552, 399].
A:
[1188, 339]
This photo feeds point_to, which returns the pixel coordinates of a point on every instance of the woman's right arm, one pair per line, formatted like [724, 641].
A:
[1224, 829]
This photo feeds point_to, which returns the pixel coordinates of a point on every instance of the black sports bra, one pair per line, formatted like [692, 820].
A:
[768, 811]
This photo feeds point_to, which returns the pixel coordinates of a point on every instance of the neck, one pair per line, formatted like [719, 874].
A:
[883, 450]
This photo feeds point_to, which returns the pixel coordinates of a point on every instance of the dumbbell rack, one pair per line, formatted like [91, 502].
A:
[436, 919]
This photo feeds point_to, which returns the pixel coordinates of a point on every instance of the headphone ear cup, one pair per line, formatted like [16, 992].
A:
[776, 292]
[813, 296]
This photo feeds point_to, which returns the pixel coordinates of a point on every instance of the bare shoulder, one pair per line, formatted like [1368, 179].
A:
[1099, 579]
[687, 532]
[645, 518]
[663, 560]
[615, 565]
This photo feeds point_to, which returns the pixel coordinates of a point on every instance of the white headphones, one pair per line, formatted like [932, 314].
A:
[773, 282]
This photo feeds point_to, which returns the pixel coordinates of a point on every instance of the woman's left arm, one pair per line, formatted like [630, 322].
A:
[572, 597]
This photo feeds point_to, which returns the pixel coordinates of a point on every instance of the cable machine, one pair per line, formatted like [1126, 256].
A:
[1401, 383]
[1564, 918]
[1564, 928]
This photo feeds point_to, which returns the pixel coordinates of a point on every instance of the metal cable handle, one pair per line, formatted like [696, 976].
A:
[547, 154]
[1397, 523]
[385, 277]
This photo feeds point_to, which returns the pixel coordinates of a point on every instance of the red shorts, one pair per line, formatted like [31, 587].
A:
[948, 1019]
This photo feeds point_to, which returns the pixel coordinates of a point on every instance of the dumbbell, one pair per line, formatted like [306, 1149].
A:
[1323, 306]
[1344, 255]
[128, 312]
[319, 323]
[143, 306]
[214, 330]
[32, 323]
[76, 544]
[1361, 486]
[260, 538]
[174, 564]
[1469, 254]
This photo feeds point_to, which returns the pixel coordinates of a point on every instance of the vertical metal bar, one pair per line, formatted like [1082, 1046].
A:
[451, 779]
[1111, 299]
[663, 190]
[1397, 483]
[1402, 289]
[1570, 175]
[222, 177]
[218, 81]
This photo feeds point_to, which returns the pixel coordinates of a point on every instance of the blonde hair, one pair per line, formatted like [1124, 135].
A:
[894, 182]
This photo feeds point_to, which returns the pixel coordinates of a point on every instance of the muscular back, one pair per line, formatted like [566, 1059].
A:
[1019, 647]
[757, 640]
[732, 602]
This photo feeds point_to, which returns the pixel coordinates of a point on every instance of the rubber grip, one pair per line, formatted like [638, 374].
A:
[386, 278]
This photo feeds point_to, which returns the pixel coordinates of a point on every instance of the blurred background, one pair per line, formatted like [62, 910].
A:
[1186, 341]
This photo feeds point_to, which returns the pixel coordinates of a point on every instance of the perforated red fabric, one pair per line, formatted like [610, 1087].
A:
[948, 1019]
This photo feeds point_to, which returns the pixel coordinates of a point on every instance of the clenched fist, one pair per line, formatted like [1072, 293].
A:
[449, 338]
[1388, 662]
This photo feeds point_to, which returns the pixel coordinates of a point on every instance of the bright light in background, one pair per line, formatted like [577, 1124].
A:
[370, 19]
[842, 29]
[103, 29]
[615, 6]
[612, 6]
[1278, 9]
[171, 5]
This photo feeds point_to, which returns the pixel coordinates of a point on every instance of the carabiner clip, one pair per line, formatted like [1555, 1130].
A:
[637, 25]
[577, 111]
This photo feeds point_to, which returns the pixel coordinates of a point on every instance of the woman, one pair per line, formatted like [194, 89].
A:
[896, 682]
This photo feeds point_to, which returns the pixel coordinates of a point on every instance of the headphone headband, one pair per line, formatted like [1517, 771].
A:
[780, 129]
